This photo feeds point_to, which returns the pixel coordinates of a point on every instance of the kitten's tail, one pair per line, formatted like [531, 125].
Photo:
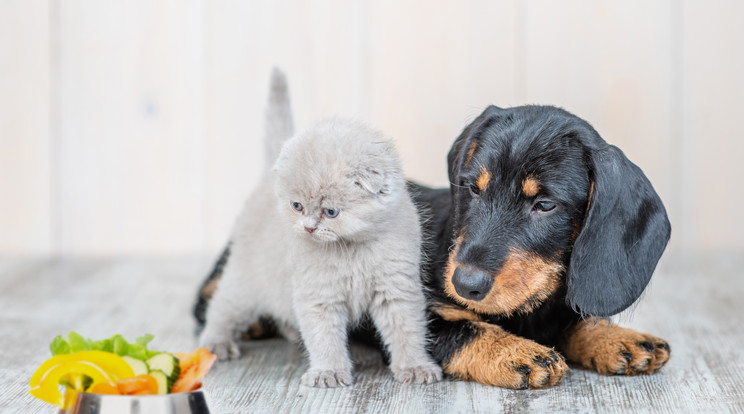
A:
[279, 125]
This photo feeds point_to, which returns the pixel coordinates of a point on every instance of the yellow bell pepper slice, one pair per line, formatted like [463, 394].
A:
[48, 388]
[114, 365]
[98, 365]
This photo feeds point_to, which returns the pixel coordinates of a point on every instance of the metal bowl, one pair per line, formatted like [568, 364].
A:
[194, 402]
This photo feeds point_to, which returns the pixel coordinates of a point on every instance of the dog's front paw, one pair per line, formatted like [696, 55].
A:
[496, 357]
[422, 374]
[611, 350]
[631, 355]
[327, 378]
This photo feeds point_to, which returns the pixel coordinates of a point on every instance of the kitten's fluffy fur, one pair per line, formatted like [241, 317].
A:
[329, 235]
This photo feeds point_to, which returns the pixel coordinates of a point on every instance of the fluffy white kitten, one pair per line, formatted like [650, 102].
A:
[329, 235]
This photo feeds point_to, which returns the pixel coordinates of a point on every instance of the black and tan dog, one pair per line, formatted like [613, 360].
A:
[545, 230]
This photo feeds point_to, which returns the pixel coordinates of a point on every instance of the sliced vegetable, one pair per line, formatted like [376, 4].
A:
[138, 366]
[76, 381]
[194, 367]
[139, 385]
[76, 372]
[112, 364]
[69, 399]
[109, 388]
[164, 384]
[47, 388]
[167, 363]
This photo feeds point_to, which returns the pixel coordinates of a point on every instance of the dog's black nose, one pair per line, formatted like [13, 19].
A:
[471, 284]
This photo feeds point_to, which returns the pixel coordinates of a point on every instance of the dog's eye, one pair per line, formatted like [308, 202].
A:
[544, 206]
[297, 206]
[474, 190]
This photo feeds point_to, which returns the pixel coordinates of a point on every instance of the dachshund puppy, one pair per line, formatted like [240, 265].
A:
[545, 230]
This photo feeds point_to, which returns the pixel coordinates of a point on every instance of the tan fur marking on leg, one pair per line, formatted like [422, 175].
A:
[602, 346]
[453, 313]
[499, 358]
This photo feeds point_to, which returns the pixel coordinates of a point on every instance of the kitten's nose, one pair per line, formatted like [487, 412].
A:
[310, 229]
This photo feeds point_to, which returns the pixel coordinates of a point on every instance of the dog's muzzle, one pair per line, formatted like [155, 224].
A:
[471, 284]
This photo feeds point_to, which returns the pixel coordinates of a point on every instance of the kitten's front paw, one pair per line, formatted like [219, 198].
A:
[326, 378]
[224, 349]
[422, 374]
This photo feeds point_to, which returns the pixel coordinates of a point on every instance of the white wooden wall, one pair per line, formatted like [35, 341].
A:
[134, 126]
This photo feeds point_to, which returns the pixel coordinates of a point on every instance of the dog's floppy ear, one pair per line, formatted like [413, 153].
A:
[624, 234]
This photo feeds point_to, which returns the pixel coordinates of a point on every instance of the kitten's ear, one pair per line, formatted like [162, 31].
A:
[371, 180]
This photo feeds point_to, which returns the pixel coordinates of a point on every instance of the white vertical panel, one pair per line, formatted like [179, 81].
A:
[129, 107]
[25, 203]
[713, 108]
[313, 42]
[430, 70]
[156, 107]
[611, 63]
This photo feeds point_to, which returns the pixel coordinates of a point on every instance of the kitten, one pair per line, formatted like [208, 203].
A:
[330, 235]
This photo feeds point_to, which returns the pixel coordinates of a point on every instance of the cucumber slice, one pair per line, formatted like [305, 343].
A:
[138, 366]
[164, 386]
[168, 364]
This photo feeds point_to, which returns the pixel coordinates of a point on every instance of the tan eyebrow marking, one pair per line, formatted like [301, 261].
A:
[483, 179]
[530, 186]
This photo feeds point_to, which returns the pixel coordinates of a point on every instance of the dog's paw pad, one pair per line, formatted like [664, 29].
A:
[327, 378]
[545, 369]
[635, 354]
[612, 350]
[643, 354]
[423, 374]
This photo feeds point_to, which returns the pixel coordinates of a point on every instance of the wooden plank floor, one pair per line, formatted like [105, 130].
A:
[694, 303]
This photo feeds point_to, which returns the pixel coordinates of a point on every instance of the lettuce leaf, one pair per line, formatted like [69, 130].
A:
[59, 346]
[117, 344]
[77, 343]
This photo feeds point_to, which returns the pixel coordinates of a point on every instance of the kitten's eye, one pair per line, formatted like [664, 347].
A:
[297, 206]
[331, 212]
[544, 206]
